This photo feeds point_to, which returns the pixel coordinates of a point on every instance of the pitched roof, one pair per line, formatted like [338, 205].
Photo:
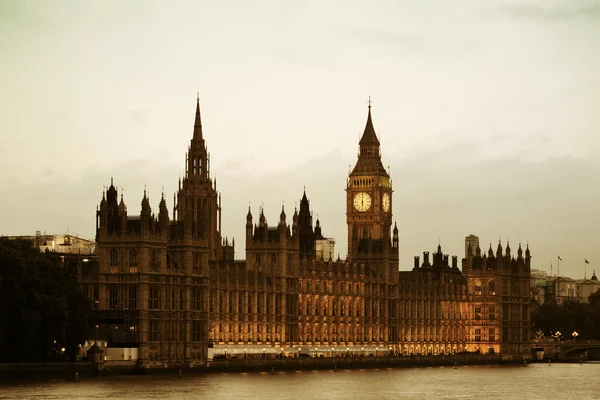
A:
[369, 136]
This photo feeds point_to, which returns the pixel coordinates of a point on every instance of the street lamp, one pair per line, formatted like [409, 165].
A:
[575, 334]
[265, 354]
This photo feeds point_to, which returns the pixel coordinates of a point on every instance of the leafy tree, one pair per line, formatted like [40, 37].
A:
[42, 310]
[569, 317]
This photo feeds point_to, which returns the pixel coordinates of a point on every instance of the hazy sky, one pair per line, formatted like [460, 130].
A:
[488, 112]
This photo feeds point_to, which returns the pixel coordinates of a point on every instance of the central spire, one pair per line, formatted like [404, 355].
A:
[198, 121]
[369, 136]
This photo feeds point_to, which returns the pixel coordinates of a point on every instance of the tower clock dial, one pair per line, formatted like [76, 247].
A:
[362, 201]
[385, 202]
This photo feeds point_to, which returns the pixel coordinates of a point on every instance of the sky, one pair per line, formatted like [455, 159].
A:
[487, 112]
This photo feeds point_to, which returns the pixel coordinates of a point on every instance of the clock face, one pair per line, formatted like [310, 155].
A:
[385, 202]
[362, 201]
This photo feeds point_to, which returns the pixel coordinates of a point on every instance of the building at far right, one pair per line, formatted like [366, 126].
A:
[499, 298]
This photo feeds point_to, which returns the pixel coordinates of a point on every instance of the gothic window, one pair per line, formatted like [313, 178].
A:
[492, 335]
[492, 287]
[477, 335]
[196, 265]
[133, 297]
[114, 260]
[197, 299]
[477, 313]
[273, 259]
[492, 313]
[477, 287]
[133, 260]
[181, 300]
[153, 299]
[113, 298]
[154, 260]
[154, 331]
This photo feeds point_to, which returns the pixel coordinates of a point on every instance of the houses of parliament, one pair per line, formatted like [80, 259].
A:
[168, 284]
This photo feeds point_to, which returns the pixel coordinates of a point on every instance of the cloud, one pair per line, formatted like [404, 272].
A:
[538, 12]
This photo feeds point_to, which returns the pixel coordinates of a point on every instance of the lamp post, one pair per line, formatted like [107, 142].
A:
[265, 354]
[245, 357]
[225, 357]
[575, 334]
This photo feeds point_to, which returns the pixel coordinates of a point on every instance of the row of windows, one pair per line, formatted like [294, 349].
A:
[178, 331]
[491, 335]
[174, 262]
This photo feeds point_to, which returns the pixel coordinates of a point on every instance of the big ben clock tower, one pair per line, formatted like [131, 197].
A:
[369, 201]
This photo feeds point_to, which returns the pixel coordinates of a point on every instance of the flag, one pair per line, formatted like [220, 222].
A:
[587, 262]
[559, 258]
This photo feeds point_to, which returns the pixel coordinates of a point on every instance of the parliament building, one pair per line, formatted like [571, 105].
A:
[167, 289]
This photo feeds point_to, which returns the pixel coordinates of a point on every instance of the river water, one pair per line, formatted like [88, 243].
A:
[537, 381]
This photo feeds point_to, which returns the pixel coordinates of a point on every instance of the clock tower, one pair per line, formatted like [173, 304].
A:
[369, 201]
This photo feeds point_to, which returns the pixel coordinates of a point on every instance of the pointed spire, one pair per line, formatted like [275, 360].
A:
[197, 121]
[369, 136]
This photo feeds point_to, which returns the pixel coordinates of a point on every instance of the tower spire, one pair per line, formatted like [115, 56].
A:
[369, 136]
[198, 121]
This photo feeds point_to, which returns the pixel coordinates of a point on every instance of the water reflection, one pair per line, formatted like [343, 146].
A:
[538, 381]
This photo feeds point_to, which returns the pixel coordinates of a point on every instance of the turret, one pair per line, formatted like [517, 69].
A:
[507, 250]
[499, 250]
[395, 239]
[318, 234]
[249, 224]
[295, 223]
[145, 214]
[519, 253]
[163, 214]
[123, 214]
[282, 225]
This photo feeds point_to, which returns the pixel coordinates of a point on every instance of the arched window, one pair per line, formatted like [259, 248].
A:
[492, 287]
[154, 260]
[477, 287]
[114, 260]
[133, 260]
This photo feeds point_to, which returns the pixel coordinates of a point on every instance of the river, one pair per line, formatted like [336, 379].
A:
[536, 381]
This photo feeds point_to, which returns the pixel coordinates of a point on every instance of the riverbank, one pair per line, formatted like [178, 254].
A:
[85, 370]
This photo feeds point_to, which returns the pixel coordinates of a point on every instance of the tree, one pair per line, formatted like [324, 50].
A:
[42, 309]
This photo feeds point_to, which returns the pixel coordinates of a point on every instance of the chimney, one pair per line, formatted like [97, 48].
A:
[416, 262]
[425, 258]
[454, 261]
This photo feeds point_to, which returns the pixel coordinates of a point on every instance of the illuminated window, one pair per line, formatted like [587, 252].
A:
[477, 287]
[133, 260]
[477, 335]
[114, 260]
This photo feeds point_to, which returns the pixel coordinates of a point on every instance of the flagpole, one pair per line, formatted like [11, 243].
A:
[584, 269]
[558, 266]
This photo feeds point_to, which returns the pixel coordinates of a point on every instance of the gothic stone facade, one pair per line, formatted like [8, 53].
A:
[172, 286]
